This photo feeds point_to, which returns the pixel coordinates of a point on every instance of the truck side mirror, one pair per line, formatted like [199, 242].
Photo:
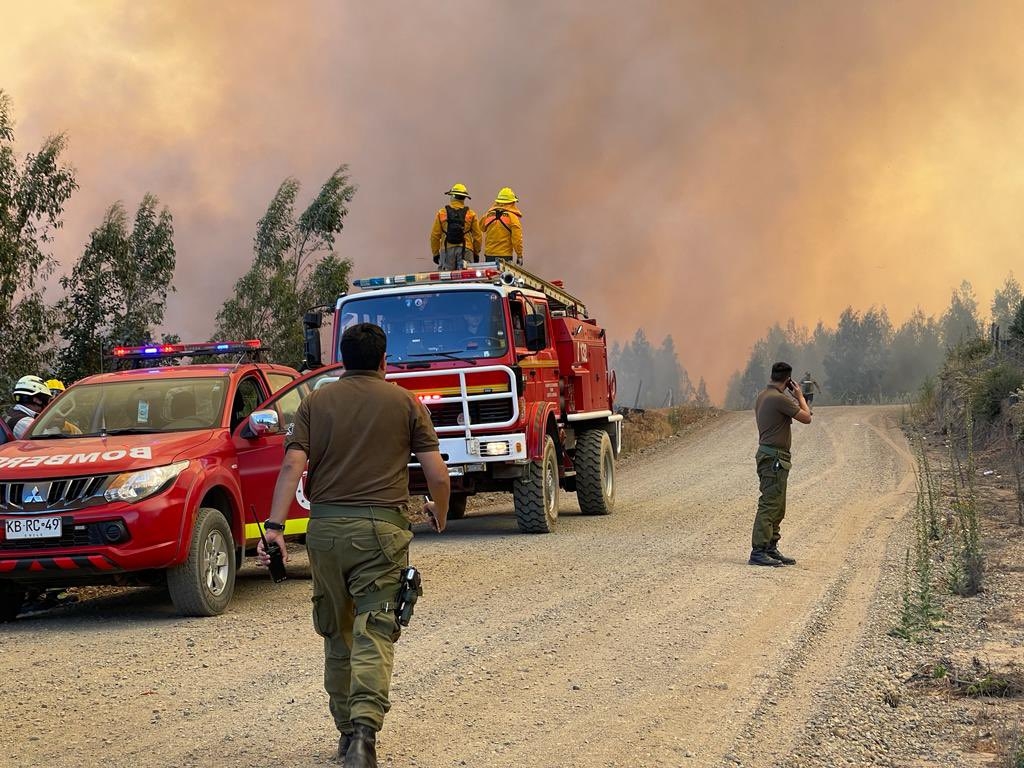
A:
[311, 323]
[262, 423]
[536, 333]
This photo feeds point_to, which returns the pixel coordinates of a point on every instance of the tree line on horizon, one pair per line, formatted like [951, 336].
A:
[116, 291]
[864, 358]
[649, 377]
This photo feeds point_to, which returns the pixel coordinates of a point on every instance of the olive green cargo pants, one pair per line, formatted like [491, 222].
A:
[356, 562]
[773, 466]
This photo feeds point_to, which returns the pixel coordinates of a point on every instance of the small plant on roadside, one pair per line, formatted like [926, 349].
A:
[967, 564]
[918, 608]
[1015, 752]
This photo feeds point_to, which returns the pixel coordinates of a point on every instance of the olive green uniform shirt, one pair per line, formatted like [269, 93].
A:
[774, 412]
[358, 433]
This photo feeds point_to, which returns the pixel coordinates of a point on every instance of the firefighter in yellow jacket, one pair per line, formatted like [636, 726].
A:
[503, 229]
[456, 235]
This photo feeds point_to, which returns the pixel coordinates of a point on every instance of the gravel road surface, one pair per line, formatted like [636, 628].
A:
[638, 639]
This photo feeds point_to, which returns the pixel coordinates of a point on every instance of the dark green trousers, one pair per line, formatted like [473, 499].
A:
[356, 563]
[773, 466]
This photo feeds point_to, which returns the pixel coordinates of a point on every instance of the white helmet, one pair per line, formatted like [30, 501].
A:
[31, 386]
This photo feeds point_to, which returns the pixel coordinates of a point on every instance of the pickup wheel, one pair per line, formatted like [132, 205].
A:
[204, 583]
[457, 506]
[11, 601]
[536, 495]
[595, 472]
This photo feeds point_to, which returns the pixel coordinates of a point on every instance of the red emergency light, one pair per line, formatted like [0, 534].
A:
[455, 276]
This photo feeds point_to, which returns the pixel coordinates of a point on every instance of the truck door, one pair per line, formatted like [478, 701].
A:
[539, 366]
[260, 458]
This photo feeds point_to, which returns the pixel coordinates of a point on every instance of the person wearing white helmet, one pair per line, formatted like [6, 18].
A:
[31, 395]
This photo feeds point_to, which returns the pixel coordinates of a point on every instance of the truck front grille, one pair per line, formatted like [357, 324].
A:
[51, 495]
[480, 413]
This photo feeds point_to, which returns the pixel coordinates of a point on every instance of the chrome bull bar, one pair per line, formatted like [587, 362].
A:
[465, 398]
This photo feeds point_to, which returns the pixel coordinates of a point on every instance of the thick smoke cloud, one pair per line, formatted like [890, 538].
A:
[700, 169]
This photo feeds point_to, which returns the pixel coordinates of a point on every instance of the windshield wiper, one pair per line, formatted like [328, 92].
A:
[409, 363]
[52, 436]
[450, 354]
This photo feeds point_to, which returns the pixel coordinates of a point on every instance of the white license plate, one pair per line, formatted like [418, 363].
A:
[32, 528]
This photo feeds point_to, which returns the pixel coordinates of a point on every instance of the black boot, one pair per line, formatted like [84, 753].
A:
[760, 557]
[774, 554]
[343, 743]
[362, 751]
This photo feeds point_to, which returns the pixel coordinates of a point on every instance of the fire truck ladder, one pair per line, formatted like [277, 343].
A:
[559, 299]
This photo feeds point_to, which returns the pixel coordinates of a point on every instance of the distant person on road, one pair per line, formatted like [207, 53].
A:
[456, 234]
[776, 407]
[31, 395]
[357, 434]
[503, 230]
[807, 386]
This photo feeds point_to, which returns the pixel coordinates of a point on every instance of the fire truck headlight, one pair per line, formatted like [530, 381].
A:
[495, 449]
[133, 486]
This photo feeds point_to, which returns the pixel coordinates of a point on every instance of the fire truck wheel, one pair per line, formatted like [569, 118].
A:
[457, 506]
[204, 583]
[595, 472]
[536, 495]
[11, 600]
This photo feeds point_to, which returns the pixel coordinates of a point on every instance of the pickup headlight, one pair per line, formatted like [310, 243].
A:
[133, 486]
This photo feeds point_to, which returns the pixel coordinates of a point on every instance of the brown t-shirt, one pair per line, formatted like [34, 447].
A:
[774, 412]
[358, 433]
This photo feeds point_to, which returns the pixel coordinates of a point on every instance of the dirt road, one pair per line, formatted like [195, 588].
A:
[639, 639]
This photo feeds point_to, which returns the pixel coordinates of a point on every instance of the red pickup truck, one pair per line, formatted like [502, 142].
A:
[148, 474]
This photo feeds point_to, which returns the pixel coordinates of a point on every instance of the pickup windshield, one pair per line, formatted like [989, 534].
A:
[137, 406]
[441, 325]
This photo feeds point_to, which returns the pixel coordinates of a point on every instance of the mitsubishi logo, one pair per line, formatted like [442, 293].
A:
[32, 495]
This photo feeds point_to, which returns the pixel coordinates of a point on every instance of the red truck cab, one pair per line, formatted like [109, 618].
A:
[147, 474]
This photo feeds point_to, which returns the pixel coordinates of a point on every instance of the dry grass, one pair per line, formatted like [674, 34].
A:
[642, 429]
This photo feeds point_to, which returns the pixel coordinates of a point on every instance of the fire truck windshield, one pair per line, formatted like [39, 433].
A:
[139, 406]
[442, 325]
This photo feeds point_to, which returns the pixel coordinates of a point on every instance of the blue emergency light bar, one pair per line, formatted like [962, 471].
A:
[456, 276]
[186, 350]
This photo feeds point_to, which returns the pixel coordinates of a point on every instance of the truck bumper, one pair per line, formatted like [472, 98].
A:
[461, 454]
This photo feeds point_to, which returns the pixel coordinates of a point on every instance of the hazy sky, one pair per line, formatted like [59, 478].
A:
[699, 169]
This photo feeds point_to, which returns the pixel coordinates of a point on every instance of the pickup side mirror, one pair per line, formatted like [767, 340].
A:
[536, 333]
[262, 424]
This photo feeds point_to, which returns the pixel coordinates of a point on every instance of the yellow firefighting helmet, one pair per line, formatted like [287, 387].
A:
[459, 190]
[506, 196]
[55, 386]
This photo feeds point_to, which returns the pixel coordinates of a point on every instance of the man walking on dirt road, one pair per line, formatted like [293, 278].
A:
[357, 435]
[776, 407]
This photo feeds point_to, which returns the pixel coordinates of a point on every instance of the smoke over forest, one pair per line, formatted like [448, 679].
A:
[695, 169]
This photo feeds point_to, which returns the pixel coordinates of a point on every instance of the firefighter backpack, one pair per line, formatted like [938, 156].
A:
[456, 231]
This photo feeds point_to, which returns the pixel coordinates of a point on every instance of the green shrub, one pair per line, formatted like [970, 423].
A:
[969, 352]
[992, 387]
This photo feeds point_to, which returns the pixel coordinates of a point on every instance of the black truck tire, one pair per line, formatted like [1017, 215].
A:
[595, 472]
[457, 506]
[204, 583]
[536, 494]
[11, 600]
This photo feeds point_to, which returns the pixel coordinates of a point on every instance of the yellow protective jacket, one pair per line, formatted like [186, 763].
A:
[504, 231]
[474, 237]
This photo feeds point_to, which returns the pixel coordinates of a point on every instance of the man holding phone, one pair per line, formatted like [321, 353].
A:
[776, 407]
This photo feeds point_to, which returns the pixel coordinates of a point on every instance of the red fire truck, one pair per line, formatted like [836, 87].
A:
[151, 474]
[515, 375]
